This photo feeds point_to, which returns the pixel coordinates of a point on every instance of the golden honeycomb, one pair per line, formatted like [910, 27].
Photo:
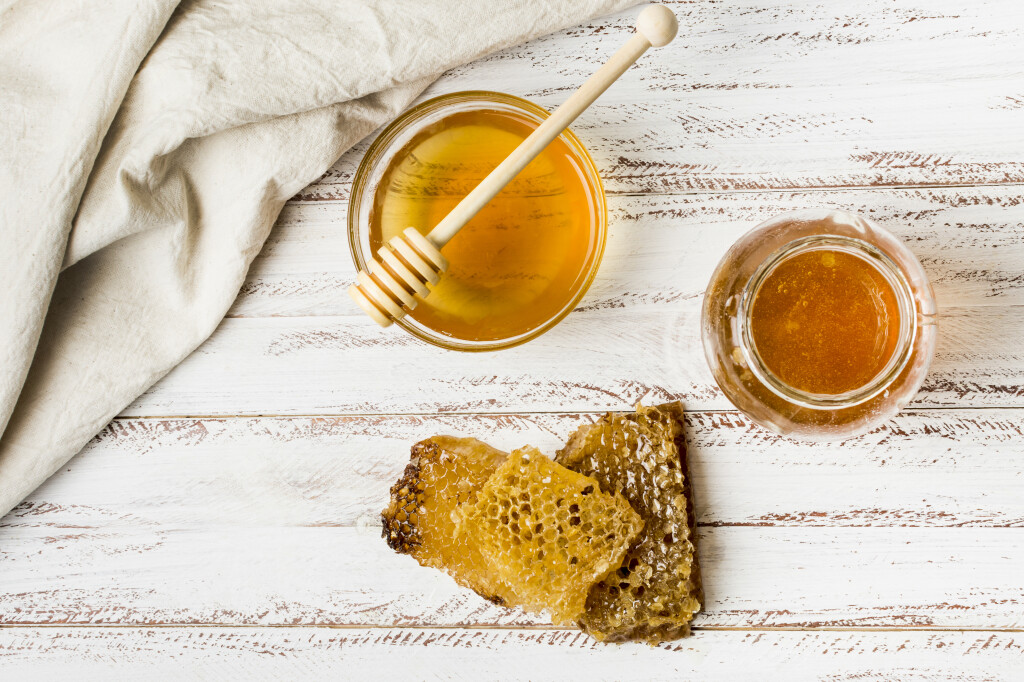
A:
[656, 590]
[443, 474]
[548, 533]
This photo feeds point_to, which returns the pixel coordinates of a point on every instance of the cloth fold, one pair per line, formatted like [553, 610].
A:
[146, 149]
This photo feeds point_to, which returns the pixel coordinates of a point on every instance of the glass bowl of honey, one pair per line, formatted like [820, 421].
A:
[522, 263]
[819, 324]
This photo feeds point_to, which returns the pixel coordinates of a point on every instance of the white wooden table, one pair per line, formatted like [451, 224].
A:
[225, 526]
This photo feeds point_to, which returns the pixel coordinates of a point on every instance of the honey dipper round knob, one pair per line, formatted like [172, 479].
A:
[410, 263]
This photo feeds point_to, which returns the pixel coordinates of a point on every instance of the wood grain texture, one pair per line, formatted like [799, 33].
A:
[933, 468]
[663, 248]
[97, 653]
[792, 577]
[595, 360]
[275, 522]
[634, 336]
[783, 94]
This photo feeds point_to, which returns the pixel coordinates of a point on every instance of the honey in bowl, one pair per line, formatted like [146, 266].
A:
[825, 321]
[525, 257]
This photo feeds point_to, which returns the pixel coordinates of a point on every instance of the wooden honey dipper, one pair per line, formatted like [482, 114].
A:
[388, 288]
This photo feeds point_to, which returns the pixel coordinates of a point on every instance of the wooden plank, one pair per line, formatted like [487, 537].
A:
[270, 521]
[783, 94]
[785, 138]
[971, 241]
[664, 248]
[130, 571]
[755, 44]
[595, 360]
[935, 468]
[388, 654]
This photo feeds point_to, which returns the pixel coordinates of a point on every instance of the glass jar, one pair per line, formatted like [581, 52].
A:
[395, 141]
[744, 375]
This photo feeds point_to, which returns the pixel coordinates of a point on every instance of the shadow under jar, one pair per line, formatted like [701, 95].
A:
[819, 325]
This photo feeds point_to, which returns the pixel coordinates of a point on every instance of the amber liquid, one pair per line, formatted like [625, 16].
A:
[825, 321]
[519, 261]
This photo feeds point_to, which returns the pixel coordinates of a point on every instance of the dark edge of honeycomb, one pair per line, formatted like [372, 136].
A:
[402, 536]
[676, 413]
[652, 635]
[656, 635]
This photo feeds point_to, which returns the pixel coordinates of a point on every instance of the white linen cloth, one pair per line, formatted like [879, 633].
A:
[146, 148]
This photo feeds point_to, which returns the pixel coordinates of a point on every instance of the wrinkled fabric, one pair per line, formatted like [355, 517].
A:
[146, 149]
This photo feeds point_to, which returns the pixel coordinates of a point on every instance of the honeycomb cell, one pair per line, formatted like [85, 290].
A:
[656, 589]
[541, 575]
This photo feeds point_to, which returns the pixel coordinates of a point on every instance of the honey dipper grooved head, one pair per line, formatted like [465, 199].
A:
[387, 289]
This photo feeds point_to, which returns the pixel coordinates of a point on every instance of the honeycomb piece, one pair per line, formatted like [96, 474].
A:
[655, 592]
[444, 473]
[548, 533]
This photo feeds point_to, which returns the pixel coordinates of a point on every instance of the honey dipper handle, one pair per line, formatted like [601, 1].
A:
[656, 26]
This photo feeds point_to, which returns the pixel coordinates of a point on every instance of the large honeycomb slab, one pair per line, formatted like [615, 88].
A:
[656, 590]
[548, 533]
[444, 473]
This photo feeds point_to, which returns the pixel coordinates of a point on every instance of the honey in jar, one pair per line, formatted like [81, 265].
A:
[527, 255]
[825, 321]
[819, 324]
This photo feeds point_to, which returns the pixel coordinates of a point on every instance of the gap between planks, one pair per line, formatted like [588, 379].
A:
[754, 190]
[476, 413]
[497, 628]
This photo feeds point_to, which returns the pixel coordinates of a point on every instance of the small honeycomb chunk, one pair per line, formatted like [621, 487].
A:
[656, 590]
[548, 533]
[443, 474]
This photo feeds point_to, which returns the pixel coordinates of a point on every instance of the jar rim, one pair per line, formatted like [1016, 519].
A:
[363, 188]
[900, 356]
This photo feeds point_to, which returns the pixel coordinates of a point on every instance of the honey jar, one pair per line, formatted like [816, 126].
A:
[819, 324]
[525, 260]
